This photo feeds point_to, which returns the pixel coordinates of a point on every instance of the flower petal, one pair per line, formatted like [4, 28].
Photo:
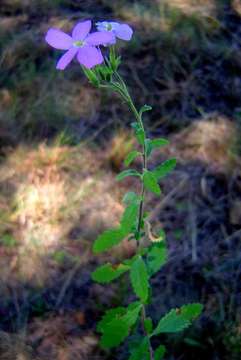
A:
[81, 30]
[58, 39]
[89, 56]
[100, 38]
[124, 32]
[66, 58]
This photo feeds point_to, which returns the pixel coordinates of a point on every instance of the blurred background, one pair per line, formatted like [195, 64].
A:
[62, 142]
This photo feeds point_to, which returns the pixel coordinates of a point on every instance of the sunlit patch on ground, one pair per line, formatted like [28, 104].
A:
[47, 200]
[208, 141]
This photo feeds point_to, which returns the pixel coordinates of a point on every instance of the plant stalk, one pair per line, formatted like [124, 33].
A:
[127, 98]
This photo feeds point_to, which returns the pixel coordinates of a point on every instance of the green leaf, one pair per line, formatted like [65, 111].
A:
[164, 169]
[172, 322]
[178, 319]
[108, 239]
[141, 352]
[139, 279]
[148, 325]
[130, 197]
[148, 147]
[114, 333]
[109, 316]
[156, 143]
[104, 71]
[90, 74]
[139, 132]
[145, 108]
[125, 173]
[140, 135]
[150, 182]
[131, 156]
[129, 218]
[159, 352]
[132, 313]
[191, 311]
[156, 257]
[106, 273]
[116, 324]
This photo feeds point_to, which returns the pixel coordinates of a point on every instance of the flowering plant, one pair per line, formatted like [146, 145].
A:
[118, 323]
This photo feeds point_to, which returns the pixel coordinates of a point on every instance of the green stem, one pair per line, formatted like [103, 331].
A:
[126, 96]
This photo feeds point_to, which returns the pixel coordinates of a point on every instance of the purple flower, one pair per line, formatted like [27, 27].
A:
[81, 44]
[120, 31]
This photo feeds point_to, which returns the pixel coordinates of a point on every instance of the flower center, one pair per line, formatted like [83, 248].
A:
[79, 43]
[108, 27]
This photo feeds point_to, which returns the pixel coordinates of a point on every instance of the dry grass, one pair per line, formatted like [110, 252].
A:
[209, 142]
[47, 194]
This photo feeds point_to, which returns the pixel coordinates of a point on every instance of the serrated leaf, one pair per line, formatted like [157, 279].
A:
[131, 156]
[156, 258]
[130, 197]
[139, 279]
[159, 352]
[164, 169]
[178, 319]
[191, 311]
[114, 333]
[125, 173]
[172, 322]
[109, 316]
[108, 239]
[107, 273]
[150, 182]
[156, 143]
[132, 313]
[141, 352]
[129, 218]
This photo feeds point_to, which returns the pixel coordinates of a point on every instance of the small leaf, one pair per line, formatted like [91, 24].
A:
[139, 132]
[172, 322]
[90, 74]
[129, 218]
[145, 108]
[140, 135]
[141, 352]
[132, 313]
[106, 273]
[131, 156]
[148, 325]
[125, 173]
[139, 279]
[156, 257]
[164, 169]
[150, 182]
[191, 311]
[114, 333]
[148, 147]
[156, 143]
[109, 316]
[178, 319]
[130, 197]
[108, 239]
[159, 352]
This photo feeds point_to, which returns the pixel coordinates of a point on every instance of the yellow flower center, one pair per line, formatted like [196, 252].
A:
[78, 43]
